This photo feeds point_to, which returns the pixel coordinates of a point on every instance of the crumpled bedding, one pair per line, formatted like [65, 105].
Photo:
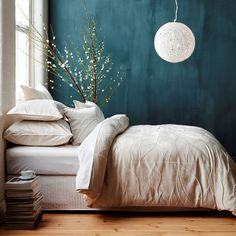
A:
[155, 166]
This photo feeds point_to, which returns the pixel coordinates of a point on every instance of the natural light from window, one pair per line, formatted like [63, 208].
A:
[22, 44]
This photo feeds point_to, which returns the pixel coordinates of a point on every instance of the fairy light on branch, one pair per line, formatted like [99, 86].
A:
[86, 69]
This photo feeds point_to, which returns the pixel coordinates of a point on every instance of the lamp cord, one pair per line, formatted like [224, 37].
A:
[176, 11]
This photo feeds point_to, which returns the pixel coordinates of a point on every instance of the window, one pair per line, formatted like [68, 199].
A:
[29, 59]
[22, 44]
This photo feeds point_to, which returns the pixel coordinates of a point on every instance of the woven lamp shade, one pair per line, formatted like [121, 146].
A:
[174, 42]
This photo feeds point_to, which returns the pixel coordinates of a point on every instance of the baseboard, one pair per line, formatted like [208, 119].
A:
[2, 210]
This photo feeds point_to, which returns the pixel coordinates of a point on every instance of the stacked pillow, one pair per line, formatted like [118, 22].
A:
[37, 109]
[39, 133]
[40, 92]
[42, 120]
[83, 120]
[42, 124]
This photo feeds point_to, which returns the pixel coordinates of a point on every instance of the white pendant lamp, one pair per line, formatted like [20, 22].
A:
[174, 42]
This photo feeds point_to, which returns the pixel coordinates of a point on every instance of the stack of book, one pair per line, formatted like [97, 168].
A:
[23, 203]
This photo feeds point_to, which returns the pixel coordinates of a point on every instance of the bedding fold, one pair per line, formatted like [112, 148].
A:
[93, 154]
[155, 166]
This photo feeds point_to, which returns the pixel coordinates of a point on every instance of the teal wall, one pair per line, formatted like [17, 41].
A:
[200, 91]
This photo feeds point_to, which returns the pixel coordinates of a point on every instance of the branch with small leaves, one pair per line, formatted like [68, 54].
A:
[85, 68]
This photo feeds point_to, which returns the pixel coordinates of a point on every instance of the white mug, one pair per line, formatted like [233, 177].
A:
[27, 174]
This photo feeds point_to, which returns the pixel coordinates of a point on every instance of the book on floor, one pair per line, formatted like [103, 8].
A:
[22, 224]
[23, 203]
[17, 183]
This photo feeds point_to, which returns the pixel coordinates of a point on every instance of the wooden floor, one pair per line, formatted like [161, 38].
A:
[124, 224]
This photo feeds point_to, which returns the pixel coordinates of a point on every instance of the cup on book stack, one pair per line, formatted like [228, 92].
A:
[23, 202]
[27, 174]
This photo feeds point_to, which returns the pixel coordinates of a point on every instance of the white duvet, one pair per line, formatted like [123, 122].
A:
[155, 166]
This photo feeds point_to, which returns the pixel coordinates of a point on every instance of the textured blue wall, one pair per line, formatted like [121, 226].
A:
[200, 91]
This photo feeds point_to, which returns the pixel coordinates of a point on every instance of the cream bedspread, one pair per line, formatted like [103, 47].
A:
[155, 166]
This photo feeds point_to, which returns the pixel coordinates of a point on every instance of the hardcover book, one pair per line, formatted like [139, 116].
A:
[23, 203]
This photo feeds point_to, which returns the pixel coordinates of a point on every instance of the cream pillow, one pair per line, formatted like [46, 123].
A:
[87, 104]
[82, 122]
[40, 92]
[79, 105]
[39, 133]
[38, 109]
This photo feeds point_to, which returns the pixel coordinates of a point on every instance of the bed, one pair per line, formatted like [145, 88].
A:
[155, 166]
[114, 166]
[56, 167]
[165, 167]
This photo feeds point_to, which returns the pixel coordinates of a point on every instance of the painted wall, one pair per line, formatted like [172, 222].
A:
[200, 91]
[7, 79]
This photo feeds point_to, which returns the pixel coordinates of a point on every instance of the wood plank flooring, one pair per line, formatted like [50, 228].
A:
[127, 224]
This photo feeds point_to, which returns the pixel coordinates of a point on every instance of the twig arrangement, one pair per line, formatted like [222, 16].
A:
[86, 68]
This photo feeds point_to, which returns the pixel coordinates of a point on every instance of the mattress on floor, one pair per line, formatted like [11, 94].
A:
[61, 160]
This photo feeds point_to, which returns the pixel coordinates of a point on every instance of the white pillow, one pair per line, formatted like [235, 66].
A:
[40, 92]
[87, 104]
[39, 133]
[82, 122]
[42, 109]
[79, 105]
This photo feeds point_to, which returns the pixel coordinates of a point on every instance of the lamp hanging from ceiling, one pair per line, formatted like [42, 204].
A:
[174, 41]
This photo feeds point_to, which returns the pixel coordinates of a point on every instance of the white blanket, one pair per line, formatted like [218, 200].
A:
[155, 166]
